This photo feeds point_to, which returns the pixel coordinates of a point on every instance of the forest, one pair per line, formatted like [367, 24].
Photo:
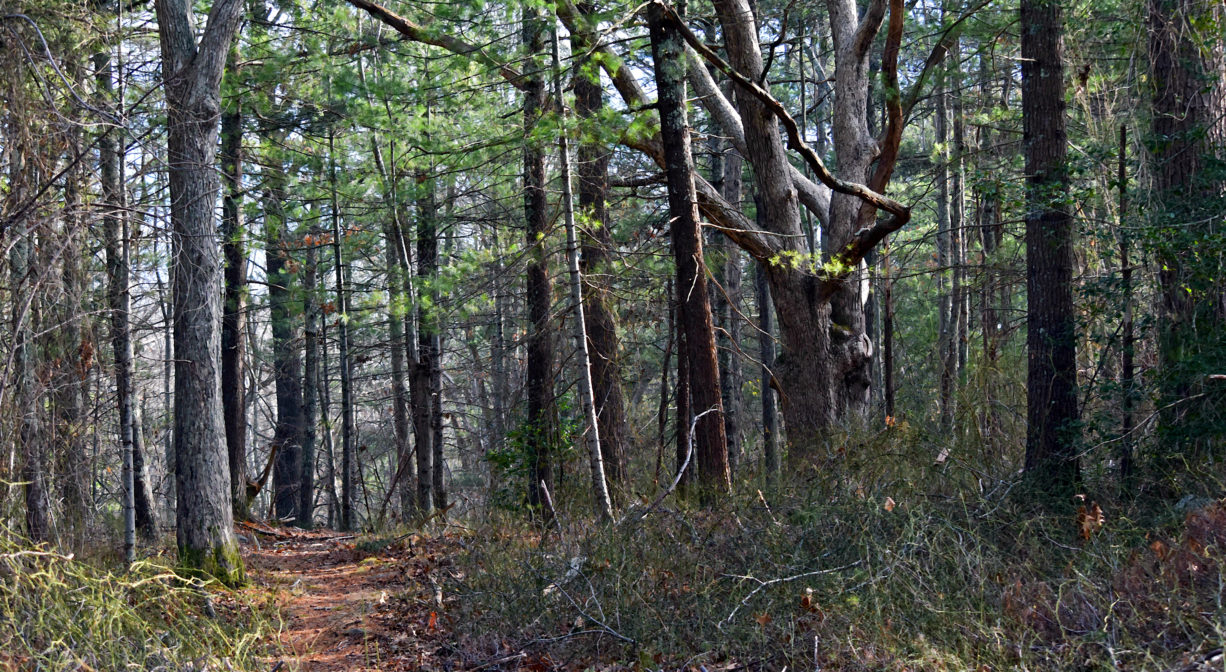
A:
[591, 335]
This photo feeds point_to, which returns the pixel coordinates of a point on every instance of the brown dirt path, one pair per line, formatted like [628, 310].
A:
[354, 607]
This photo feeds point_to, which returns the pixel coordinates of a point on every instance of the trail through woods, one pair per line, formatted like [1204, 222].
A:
[352, 607]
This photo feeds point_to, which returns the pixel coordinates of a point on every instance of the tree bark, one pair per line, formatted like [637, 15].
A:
[423, 390]
[192, 73]
[596, 266]
[694, 307]
[234, 318]
[310, 380]
[600, 487]
[1187, 67]
[287, 364]
[1051, 338]
[541, 427]
[348, 452]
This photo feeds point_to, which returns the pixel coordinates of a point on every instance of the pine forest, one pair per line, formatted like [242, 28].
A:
[695, 335]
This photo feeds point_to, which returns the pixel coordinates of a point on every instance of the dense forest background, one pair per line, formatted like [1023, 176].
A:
[793, 284]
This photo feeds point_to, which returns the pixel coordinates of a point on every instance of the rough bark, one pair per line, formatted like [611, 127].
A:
[287, 363]
[694, 307]
[1187, 67]
[1051, 339]
[192, 74]
[234, 317]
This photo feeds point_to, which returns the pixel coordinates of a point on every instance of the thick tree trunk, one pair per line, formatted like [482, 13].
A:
[541, 421]
[1051, 337]
[192, 73]
[694, 307]
[234, 318]
[1187, 67]
[287, 365]
[855, 149]
[804, 313]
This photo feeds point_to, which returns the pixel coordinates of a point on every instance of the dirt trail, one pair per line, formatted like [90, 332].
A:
[350, 607]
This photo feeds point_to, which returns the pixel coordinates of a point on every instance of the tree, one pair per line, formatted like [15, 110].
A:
[234, 317]
[1051, 337]
[694, 306]
[540, 422]
[192, 72]
[1188, 124]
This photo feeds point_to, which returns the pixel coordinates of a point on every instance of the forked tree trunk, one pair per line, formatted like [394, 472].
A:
[192, 72]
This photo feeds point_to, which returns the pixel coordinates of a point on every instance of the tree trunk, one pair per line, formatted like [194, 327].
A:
[730, 306]
[423, 391]
[766, 354]
[541, 427]
[234, 318]
[115, 228]
[310, 381]
[287, 438]
[600, 487]
[596, 266]
[143, 509]
[192, 73]
[1187, 67]
[809, 352]
[398, 306]
[22, 279]
[694, 308]
[348, 450]
[75, 347]
[1051, 338]
[947, 323]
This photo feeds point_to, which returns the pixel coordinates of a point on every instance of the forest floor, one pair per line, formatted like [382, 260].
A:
[346, 604]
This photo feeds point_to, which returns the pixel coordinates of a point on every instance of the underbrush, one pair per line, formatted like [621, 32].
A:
[58, 612]
[860, 579]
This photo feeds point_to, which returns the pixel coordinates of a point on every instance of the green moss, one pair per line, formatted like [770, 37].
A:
[222, 563]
